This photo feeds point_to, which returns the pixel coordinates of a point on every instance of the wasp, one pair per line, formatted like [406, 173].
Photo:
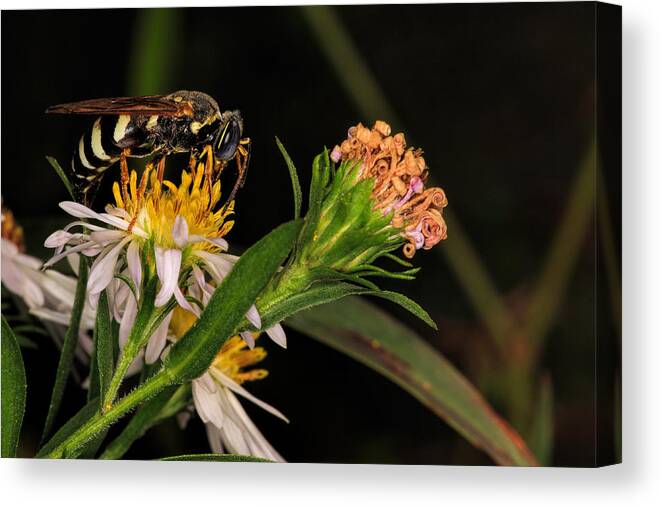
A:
[155, 125]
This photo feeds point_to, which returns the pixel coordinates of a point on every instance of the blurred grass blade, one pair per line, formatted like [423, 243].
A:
[365, 333]
[217, 457]
[293, 174]
[68, 349]
[155, 45]
[63, 176]
[564, 250]
[13, 392]
[542, 428]
[70, 427]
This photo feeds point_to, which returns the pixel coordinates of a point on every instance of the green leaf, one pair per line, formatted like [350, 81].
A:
[68, 349]
[293, 174]
[63, 176]
[81, 417]
[194, 352]
[217, 457]
[326, 292]
[362, 331]
[103, 346]
[146, 416]
[541, 433]
[13, 391]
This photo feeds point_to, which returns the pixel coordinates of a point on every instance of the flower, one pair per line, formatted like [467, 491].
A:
[215, 395]
[48, 295]
[399, 175]
[154, 228]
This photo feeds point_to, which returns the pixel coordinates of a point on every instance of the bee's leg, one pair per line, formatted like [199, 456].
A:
[125, 174]
[209, 163]
[192, 161]
[242, 160]
[159, 161]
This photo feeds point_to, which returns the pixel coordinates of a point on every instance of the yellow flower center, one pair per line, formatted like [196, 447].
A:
[234, 356]
[154, 205]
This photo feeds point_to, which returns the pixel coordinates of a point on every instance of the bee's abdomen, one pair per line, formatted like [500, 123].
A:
[98, 148]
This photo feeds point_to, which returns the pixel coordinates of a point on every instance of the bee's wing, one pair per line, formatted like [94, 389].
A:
[149, 105]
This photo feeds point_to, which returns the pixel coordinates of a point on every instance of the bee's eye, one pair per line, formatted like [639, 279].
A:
[227, 141]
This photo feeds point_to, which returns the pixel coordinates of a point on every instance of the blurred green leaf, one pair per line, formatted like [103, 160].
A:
[216, 457]
[68, 349]
[541, 432]
[13, 391]
[365, 333]
[154, 46]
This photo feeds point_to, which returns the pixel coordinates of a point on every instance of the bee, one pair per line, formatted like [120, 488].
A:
[156, 125]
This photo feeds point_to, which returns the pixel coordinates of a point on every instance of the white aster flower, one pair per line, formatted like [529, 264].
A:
[216, 395]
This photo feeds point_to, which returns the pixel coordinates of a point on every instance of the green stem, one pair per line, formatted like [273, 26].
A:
[140, 332]
[100, 421]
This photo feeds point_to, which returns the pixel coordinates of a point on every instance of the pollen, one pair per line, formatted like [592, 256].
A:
[154, 205]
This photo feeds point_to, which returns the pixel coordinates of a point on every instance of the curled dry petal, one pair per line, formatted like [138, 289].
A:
[399, 175]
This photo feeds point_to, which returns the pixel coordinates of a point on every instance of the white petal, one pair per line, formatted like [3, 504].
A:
[58, 238]
[168, 263]
[215, 438]
[79, 211]
[248, 338]
[205, 397]
[134, 264]
[277, 334]
[219, 242]
[183, 302]
[78, 248]
[107, 236]
[253, 316]
[127, 320]
[233, 386]
[157, 341]
[74, 263]
[103, 269]
[180, 231]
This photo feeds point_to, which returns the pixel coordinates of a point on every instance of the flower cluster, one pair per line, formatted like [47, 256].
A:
[215, 395]
[400, 174]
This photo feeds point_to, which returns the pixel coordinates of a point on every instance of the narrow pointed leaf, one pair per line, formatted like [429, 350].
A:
[322, 293]
[67, 352]
[13, 391]
[80, 418]
[63, 176]
[217, 457]
[293, 174]
[362, 331]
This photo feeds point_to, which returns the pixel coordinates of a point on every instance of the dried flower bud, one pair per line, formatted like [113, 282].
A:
[11, 231]
[399, 188]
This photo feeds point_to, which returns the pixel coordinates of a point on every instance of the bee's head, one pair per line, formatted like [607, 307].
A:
[228, 135]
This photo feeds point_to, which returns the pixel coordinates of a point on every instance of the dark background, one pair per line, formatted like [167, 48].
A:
[502, 99]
